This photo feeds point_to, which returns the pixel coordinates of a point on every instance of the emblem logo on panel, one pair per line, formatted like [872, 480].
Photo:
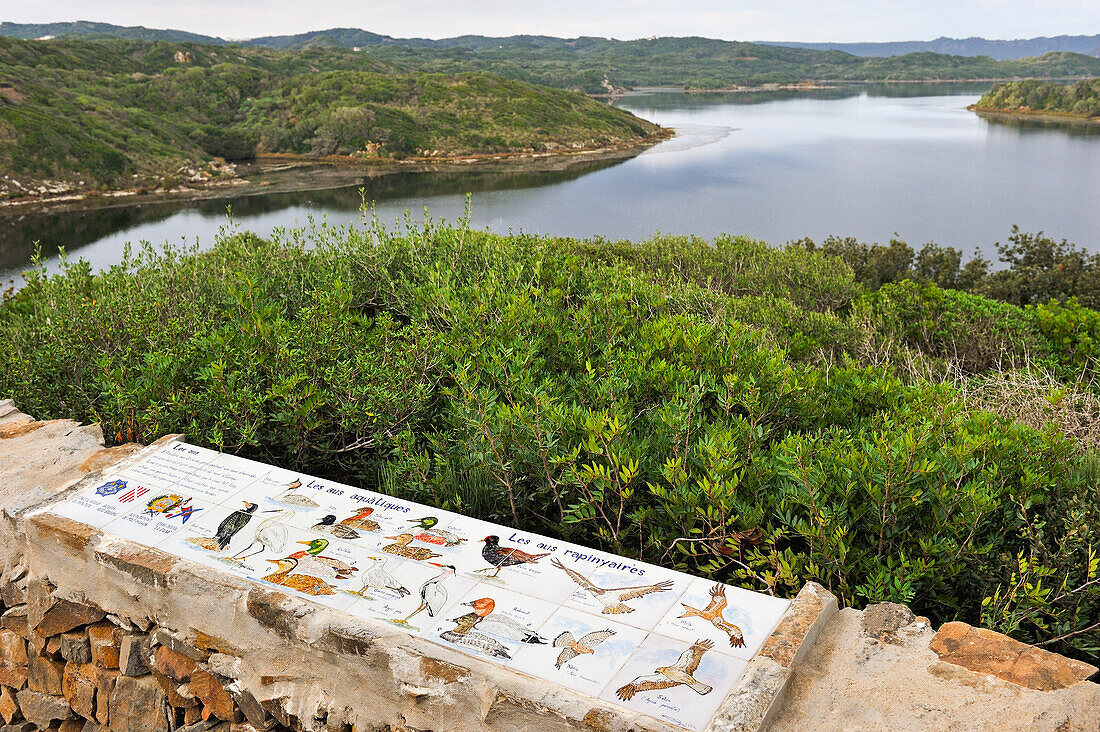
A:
[111, 488]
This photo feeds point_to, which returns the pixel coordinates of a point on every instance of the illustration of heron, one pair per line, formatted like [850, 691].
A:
[270, 534]
[433, 594]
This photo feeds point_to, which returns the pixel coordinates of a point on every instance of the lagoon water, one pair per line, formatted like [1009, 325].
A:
[870, 163]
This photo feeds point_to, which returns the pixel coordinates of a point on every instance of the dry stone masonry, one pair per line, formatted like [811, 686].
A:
[172, 588]
[657, 642]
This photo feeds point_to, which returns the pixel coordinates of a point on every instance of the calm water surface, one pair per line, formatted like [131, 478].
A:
[864, 163]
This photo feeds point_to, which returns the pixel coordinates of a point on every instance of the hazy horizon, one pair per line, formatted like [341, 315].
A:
[850, 21]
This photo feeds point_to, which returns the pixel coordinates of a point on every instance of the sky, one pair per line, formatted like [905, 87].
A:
[743, 20]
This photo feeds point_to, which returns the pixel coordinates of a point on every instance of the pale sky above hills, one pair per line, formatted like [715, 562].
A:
[778, 20]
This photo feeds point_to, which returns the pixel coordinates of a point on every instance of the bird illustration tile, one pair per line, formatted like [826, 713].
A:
[515, 560]
[169, 465]
[408, 594]
[627, 591]
[682, 682]
[102, 502]
[157, 515]
[582, 651]
[302, 493]
[223, 477]
[492, 623]
[737, 620]
[231, 536]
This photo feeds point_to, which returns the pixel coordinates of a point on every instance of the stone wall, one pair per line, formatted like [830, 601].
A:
[98, 633]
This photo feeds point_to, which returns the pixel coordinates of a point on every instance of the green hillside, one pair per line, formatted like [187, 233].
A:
[128, 113]
[1070, 100]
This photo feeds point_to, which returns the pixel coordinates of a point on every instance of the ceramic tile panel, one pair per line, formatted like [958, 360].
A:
[223, 477]
[736, 620]
[515, 560]
[102, 503]
[492, 623]
[661, 642]
[169, 465]
[409, 594]
[682, 682]
[582, 651]
[627, 591]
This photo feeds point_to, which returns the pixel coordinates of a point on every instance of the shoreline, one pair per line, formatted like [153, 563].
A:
[286, 173]
[1033, 115]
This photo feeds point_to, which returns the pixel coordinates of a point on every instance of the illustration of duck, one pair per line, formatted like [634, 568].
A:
[377, 576]
[463, 636]
[431, 535]
[572, 647]
[291, 498]
[227, 529]
[501, 626]
[311, 562]
[614, 599]
[328, 525]
[499, 557]
[359, 520]
[666, 677]
[304, 583]
[402, 548]
[270, 534]
[713, 614]
[433, 593]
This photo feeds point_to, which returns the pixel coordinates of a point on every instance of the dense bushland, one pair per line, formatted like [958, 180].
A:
[752, 414]
[1076, 100]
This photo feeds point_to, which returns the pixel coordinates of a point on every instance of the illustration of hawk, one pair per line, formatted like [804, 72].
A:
[713, 613]
[614, 599]
[666, 677]
[572, 647]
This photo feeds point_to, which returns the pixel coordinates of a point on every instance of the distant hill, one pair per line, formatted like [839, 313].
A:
[88, 29]
[1000, 50]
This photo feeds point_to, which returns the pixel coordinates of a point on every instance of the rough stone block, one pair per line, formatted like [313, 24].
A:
[986, 651]
[173, 664]
[164, 638]
[147, 566]
[138, 705]
[79, 688]
[41, 709]
[75, 647]
[171, 690]
[882, 621]
[44, 675]
[15, 619]
[132, 653]
[246, 701]
[105, 639]
[105, 680]
[795, 635]
[72, 725]
[65, 615]
[215, 698]
[13, 587]
[13, 649]
[9, 707]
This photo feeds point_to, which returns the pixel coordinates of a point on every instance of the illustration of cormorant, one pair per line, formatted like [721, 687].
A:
[501, 626]
[270, 534]
[305, 583]
[328, 525]
[311, 562]
[666, 677]
[359, 520]
[499, 557]
[431, 535]
[227, 529]
[713, 614]
[572, 647]
[402, 548]
[291, 498]
[614, 599]
[377, 576]
[433, 593]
